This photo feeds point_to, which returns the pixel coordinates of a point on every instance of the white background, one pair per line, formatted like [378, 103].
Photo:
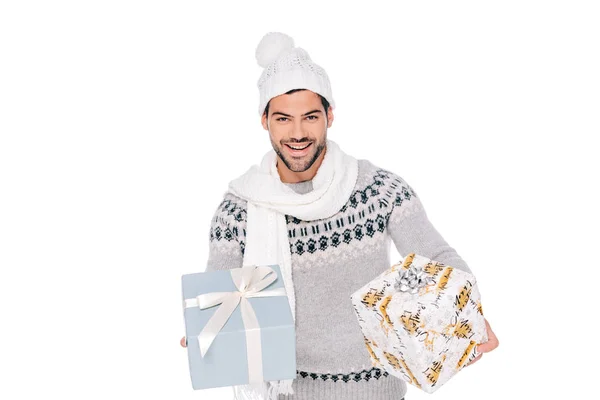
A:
[122, 122]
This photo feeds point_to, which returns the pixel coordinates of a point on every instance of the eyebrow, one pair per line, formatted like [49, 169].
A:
[303, 115]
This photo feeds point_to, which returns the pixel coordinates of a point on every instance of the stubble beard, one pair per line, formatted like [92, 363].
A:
[300, 165]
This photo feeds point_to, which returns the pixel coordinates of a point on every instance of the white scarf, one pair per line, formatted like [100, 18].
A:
[269, 200]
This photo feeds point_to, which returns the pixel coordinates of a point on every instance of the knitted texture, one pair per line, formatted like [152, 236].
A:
[287, 67]
[331, 259]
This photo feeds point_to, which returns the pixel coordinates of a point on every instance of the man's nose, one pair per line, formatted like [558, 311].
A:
[297, 131]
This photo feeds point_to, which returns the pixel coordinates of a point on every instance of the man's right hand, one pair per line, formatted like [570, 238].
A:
[183, 342]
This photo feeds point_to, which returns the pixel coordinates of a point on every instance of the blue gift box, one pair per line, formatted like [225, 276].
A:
[226, 362]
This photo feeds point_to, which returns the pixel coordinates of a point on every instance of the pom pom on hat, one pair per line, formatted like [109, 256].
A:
[271, 46]
[287, 67]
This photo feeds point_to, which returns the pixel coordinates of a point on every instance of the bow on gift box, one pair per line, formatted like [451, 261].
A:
[412, 279]
[250, 282]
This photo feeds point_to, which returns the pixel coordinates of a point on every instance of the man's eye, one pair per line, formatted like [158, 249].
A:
[312, 116]
[279, 119]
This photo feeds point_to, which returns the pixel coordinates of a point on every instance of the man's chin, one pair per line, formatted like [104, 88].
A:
[298, 168]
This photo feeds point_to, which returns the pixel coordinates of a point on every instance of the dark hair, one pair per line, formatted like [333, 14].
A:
[323, 101]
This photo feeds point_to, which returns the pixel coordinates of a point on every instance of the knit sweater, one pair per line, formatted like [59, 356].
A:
[331, 259]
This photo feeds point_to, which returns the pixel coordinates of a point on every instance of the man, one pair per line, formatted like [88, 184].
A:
[327, 219]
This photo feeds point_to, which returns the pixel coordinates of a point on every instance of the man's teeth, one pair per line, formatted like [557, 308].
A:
[298, 148]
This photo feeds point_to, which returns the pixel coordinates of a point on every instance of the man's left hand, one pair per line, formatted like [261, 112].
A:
[488, 346]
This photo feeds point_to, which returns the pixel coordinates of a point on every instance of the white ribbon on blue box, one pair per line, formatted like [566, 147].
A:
[239, 327]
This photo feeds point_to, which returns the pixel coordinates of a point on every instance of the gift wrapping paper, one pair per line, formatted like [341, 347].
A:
[427, 332]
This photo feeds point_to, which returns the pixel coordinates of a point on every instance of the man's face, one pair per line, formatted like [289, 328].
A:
[297, 127]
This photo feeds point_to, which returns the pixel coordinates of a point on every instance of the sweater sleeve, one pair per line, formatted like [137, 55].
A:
[227, 235]
[412, 231]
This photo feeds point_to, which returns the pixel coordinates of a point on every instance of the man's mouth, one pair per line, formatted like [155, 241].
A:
[298, 149]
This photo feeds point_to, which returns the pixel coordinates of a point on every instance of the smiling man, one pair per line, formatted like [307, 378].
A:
[328, 220]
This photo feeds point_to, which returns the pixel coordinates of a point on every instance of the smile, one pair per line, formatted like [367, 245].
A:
[300, 147]
[298, 150]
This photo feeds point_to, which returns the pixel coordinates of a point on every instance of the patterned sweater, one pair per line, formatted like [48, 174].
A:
[331, 259]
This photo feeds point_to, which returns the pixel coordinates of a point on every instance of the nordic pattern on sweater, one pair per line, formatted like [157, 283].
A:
[367, 213]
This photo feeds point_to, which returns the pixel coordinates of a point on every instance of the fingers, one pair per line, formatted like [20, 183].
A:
[183, 342]
[490, 345]
[492, 342]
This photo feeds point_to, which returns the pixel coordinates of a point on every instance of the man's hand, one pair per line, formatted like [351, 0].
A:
[490, 345]
[183, 342]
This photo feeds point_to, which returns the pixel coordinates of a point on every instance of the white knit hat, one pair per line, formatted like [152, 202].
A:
[286, 68]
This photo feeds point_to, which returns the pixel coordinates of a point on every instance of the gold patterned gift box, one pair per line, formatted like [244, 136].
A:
[422, 320]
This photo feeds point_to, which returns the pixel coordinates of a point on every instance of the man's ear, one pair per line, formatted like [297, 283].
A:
[263, 121]
[329, 116]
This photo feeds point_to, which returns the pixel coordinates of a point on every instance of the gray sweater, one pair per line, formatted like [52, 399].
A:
[331, 259]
